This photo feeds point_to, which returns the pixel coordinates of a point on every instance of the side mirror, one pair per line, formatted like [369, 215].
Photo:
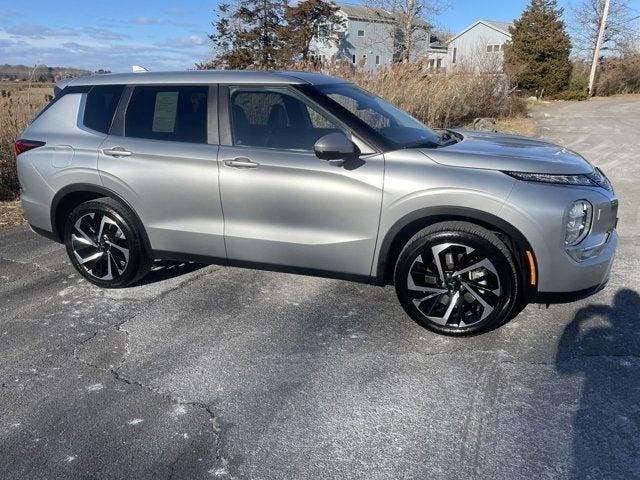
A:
[335, 147]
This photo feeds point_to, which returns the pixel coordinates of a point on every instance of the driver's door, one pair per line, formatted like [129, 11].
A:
[284, 206]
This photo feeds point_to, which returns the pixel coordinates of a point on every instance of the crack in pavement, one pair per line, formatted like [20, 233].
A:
[220, 463]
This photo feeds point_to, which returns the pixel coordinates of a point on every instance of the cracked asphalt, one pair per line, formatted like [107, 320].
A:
[205, 372]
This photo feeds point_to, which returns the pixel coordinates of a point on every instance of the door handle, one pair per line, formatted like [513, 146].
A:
[117, 152]
[241, 162]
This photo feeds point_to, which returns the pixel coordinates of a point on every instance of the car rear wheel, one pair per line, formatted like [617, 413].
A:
[104, 244]
[456, 278]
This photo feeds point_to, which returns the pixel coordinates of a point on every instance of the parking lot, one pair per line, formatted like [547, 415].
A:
[205, 372]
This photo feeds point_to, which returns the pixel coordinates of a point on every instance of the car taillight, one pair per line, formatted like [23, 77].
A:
[21, 145]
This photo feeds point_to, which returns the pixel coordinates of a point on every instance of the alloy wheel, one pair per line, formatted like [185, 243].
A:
[454, 285]
[100, 246]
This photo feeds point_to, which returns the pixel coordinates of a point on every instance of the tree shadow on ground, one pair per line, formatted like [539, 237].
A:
[602, 345]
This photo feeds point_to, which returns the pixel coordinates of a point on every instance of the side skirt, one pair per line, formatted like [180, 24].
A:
[206, 260]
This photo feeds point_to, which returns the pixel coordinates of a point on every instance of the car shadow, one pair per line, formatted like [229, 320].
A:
[165, 269]
[601, 345]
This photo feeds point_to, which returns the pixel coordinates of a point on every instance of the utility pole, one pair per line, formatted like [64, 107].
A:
[596, 51]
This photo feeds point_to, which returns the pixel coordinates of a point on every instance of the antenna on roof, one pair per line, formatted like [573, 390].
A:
[138, 69]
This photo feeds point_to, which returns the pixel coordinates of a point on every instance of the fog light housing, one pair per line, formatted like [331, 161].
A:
[578, 222]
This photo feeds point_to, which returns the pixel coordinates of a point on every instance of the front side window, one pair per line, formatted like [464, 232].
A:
[275, 118]
[102, 101]
[390, 122]
[361, 33]
[173, 113]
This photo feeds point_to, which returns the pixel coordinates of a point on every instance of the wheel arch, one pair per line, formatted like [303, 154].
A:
[401, 231]
[69, 197]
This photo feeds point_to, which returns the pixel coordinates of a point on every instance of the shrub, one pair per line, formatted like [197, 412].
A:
[619, 75]
[572, 95]
[17, 107]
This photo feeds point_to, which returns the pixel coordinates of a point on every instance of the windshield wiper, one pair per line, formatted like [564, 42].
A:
[423, 144]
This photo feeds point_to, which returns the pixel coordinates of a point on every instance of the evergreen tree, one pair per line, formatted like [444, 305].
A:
[306, 21]
[538, 55]
[247, 36]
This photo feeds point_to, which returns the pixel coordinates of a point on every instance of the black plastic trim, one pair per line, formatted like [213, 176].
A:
[213, 134]
[439, 214]
[567, 297]
[45, 233]
[91, 188]
[117, 125]
[186, 257]
[224, 118]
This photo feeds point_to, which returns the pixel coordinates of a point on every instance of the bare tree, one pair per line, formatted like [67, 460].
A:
[621, 28]
[409, 19]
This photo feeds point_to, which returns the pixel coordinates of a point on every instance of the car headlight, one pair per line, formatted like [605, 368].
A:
[578, 222]
[580, 180]
[593, 179]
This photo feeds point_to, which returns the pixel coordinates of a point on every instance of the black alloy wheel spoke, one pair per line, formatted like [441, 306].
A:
[453, 284]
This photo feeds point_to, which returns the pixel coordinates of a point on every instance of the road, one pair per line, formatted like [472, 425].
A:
[230, 373]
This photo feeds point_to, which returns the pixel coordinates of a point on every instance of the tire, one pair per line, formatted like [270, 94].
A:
[440, 289]
[104, 244]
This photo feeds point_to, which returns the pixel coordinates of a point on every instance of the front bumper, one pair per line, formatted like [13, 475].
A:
[585, 278]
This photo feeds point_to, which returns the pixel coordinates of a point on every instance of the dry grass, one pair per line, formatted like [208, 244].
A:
[526, 126]
[436, 99]
[18, 105]
[11, 215]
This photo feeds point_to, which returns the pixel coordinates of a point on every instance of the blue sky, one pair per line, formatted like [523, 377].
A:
[159, 34]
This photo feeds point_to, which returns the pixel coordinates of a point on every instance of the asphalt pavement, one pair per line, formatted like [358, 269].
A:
[207, 372]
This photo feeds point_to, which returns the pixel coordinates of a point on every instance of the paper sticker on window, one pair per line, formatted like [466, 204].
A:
[164, 115]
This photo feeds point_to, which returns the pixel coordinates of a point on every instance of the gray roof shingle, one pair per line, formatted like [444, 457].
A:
[362, 12]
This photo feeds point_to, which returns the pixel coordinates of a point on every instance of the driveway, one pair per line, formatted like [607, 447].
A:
[230, 373]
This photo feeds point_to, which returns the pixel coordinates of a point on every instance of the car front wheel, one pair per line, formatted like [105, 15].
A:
[456, 278]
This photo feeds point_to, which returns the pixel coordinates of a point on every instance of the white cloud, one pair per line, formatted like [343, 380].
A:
[148, 20]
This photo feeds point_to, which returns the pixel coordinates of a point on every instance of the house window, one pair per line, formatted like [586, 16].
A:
[353, 59]
[431, 64]
[455, 52]
[439, 64]
[364, 59]
[502, 47]
[377, 59]
[361, 33]
[489, 48]
[496, 48]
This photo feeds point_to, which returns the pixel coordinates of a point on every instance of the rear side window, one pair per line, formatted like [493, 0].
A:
[171, 113]
[102, 101]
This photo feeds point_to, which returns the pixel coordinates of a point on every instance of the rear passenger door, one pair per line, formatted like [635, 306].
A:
[161, 157]
[282, 204]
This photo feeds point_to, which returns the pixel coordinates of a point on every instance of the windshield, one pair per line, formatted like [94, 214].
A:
[392, 123]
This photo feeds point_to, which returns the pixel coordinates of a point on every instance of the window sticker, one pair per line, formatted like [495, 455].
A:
[164, 114]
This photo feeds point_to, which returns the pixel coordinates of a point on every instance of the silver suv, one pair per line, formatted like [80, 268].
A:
[306, 173]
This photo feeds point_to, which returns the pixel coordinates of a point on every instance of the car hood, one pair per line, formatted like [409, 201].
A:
[494, 151]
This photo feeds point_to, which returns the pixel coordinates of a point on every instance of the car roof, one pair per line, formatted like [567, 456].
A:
[206, 77]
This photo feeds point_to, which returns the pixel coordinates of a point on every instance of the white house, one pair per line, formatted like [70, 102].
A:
[479, 46]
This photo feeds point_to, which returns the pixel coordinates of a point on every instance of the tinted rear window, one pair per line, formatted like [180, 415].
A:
[172, 113]
[102, 101]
